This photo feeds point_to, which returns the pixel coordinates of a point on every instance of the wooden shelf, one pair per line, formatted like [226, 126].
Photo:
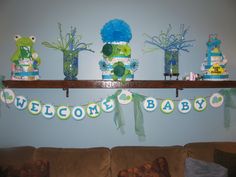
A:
[93, 84]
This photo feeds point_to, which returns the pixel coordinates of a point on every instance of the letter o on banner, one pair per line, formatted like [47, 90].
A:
[78, 113]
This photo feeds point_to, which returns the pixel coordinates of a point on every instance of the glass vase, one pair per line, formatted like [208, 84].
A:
[171, 67]
[70, 65]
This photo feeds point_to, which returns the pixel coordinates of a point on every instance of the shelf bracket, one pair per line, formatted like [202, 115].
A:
[67, 91]
[177, 92]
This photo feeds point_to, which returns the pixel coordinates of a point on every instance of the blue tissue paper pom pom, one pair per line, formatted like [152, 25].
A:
[116, 31]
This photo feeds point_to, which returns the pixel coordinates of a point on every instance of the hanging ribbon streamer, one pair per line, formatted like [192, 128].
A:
[1, 88]
[228, 103]
[138, 115]
[118, 115]
[1, 83]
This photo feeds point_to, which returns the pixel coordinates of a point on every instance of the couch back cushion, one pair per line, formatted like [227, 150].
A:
[128, 157]
[74, 162]
[16, 156]
[205, 150]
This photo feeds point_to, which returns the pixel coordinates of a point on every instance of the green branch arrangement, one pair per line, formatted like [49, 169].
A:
[70, 42]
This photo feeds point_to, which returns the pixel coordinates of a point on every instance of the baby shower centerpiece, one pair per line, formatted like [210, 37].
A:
[70, 45]
[25, 60]
[171, 44]
[117, 63]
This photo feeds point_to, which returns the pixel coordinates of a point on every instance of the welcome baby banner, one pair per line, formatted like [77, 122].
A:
[122, 97]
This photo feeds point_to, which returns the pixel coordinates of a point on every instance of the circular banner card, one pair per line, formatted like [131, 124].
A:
[48, 111]
[184, 106]
[7, 96]
[108, 105]
[200, 104]
[93, 110]
[124, 97]
[78, 113]
[216, 100]
[63, 112]
[20, 102]
[167, 106]
[34, 107]
[150, 104]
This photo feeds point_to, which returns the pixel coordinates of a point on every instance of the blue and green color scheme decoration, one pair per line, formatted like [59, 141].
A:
[171, 43]
[70, 44]
[214, 65]
[117, 63]
[25, 60]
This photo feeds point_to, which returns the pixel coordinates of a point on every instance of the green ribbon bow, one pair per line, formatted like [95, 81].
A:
[228, 104]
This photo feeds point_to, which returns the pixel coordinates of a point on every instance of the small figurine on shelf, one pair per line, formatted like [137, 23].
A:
[25, 60]
[70, 45]
[171, 44]
[192, 77]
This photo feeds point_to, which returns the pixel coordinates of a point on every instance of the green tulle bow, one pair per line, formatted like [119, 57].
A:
[228, 104]
[138, 115]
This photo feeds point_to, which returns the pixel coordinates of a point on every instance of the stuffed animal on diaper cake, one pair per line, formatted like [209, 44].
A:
[25, 61]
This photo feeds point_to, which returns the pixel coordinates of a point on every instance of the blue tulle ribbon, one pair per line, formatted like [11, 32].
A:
[228, 104]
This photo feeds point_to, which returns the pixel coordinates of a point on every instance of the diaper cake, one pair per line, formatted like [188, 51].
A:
[117, 63]
[214, 66]
[25, 60]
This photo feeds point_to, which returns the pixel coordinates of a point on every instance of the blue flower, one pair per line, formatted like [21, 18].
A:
[116, 30]
[103, 65]
[134, 64]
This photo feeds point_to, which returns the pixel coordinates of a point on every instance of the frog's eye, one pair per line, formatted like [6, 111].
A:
[33, 38]
[17, 37]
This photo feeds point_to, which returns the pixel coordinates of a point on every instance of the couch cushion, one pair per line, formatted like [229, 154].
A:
[74, 162]
[227, 160]
[16, 155]
[205, 150]
[127, 157]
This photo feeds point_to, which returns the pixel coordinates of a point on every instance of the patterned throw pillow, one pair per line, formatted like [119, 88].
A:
[156, 168]
[38, 168]
[199, 168]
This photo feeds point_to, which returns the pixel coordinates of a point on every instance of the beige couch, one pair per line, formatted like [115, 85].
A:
[105, 162]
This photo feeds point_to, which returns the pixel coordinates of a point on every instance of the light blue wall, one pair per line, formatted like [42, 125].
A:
[39, 18]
